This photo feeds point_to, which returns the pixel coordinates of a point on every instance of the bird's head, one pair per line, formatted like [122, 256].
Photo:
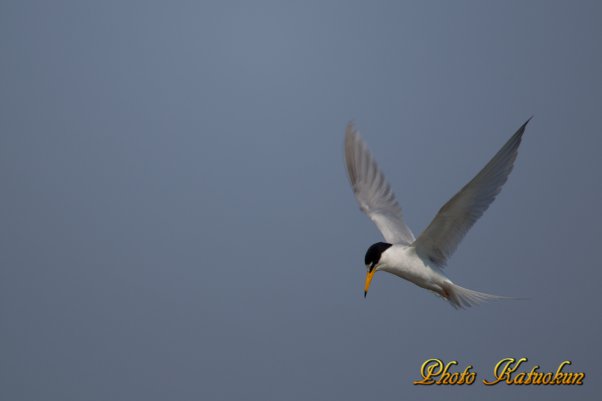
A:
[373, 261]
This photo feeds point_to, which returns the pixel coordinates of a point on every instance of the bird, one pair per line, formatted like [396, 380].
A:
[422, 260]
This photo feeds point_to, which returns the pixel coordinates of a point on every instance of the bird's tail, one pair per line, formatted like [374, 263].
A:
[460, 297]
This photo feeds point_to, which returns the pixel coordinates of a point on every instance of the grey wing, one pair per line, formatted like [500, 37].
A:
[372, 191]
[440, 239]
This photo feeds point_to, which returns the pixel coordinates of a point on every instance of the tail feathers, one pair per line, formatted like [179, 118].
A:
[460, 297]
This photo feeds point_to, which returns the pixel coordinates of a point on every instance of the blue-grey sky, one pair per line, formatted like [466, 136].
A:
[177, 222]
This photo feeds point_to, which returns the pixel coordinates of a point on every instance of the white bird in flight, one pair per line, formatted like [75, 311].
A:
[421, 260]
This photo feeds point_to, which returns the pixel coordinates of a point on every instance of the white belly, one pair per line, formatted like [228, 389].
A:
[404, 262]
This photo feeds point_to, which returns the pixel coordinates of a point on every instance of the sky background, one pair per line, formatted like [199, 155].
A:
[176, 221]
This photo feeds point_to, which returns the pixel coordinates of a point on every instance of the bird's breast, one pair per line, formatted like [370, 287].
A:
[403, 261]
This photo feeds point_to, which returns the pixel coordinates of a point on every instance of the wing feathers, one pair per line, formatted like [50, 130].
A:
[372, 191]
[441, 238]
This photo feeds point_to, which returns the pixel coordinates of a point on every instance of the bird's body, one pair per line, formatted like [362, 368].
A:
[421, 261]
[404, 262]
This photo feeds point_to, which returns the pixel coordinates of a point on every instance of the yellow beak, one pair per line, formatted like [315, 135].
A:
[369, 276]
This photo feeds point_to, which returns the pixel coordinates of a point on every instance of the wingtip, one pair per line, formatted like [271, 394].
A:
[522, 128]
[350, 128]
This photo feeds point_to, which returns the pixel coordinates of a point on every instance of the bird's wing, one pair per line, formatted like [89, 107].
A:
[372, 191]
[440, 239]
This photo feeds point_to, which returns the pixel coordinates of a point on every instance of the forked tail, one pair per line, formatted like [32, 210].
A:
[460, 297]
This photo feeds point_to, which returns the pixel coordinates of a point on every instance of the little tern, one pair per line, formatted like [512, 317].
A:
[421, 261]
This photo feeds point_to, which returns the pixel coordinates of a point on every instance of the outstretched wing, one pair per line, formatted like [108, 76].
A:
[441, 238]
[372, 191]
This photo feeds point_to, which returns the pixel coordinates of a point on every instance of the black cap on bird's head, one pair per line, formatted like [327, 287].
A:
[373, 254]
[371, 260]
